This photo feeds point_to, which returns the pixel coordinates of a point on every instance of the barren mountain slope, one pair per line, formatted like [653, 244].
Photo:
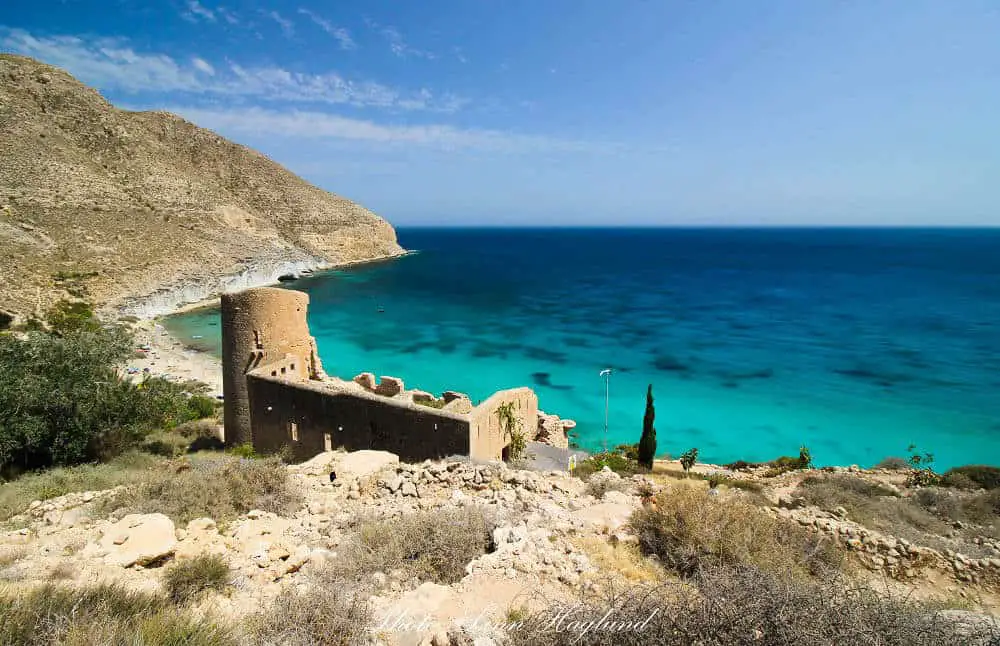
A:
[122, 204]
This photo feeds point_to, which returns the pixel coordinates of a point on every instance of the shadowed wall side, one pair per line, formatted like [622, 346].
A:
[261, 326]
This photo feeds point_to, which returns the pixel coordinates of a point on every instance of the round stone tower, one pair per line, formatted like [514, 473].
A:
[260, 326]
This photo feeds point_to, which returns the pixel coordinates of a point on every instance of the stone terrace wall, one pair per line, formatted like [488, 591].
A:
[312, 417]
[487, 436]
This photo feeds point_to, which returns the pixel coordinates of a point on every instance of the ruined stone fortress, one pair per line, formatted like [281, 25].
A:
[277, 395]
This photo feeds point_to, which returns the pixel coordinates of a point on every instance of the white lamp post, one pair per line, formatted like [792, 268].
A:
[606, 373]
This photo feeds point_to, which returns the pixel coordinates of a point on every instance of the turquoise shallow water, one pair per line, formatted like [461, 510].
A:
[857, 343]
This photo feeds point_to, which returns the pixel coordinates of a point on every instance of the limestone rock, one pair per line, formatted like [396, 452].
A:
[139, 539]
[359, 464]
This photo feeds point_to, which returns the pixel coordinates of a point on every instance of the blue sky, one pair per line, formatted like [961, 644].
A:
[573, 112]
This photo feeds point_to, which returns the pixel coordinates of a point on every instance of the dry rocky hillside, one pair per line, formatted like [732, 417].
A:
[452, 552]
[146, 209]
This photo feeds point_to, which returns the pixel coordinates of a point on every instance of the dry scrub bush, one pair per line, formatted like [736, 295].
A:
[219, 487]
[748, 607]
[185, 580]
[872, 505]
[689, 530]
[15, 496]
[429, 545]
[106, 615]
[597, 486]
[323, 615]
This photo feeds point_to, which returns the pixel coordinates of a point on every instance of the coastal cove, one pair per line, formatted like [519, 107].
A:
[856, 343]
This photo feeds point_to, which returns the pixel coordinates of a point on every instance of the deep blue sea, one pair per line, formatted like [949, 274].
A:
[856, 343]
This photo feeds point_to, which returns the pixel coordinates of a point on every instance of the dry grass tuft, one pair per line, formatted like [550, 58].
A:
[106, 615]
[326, 614]
[186, 579]
[429, 545]
[689, 530]
[747, 607]
[215, 486]
[15, 496]
[623, 561]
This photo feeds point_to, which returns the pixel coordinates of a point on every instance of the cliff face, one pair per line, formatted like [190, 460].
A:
[144, 210]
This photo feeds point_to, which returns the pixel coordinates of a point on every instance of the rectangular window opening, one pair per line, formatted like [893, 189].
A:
[327, 442]
[293, 431]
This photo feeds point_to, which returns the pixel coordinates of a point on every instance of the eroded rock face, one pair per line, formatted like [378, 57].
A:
[138, 539]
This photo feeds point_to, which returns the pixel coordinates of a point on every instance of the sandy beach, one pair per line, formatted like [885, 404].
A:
[167, 357]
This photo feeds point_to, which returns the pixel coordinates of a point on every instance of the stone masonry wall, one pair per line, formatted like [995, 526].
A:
[487, 437]
[259, 327]
[312, 417]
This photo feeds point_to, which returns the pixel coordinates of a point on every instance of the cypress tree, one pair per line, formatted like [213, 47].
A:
[647, 443]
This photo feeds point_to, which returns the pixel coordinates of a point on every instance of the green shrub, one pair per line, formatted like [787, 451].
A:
[617, 461]
[244, 450]
[982, 475]
[688, 459]
[202, 406]
[63, 400]
[187, 579]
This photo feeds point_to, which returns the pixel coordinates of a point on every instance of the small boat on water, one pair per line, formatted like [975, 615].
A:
[380, 309]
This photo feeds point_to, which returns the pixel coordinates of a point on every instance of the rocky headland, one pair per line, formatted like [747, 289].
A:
[144, 212]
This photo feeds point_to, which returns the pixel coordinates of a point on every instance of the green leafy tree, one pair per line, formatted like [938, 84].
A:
[688, 459]
[63, 399]
[647, 442]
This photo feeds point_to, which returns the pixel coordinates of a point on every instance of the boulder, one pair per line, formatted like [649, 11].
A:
[359, 464]
[551, 431]
[451, 395]
[422, 396]
[139, 539]
[389, 386]
[366, 380]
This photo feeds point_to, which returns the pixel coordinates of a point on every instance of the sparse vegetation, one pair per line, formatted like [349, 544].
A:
[186, 579]
[325, 614]
[972, 476]
[429, 546]
[217, 486]
[688, 531]
[430, 403]
[103, 614]
[517, 439]
[15, 496]
[748, 607]
[893, 464]
[618, 460]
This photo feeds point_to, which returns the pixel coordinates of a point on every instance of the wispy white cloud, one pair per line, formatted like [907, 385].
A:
[397, 44]
[321, 125]
[228, 15]
[202, 65]
[342, 35]
[114, 64]
[460, 55]
[196, 11]
[287, 26]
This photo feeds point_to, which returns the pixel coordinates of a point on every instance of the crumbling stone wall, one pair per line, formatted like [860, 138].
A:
[311, 417]
[487, 436]
[261, 326]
